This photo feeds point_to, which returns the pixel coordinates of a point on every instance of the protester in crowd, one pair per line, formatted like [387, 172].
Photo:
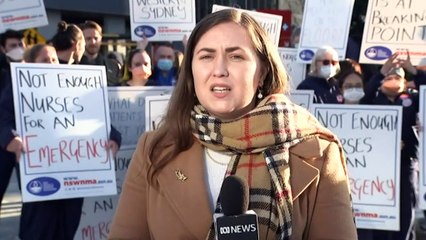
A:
[69, 43]
[325, 65]
[389, 88]
[228, 116]
[164, 73]
[92, 32]
[12, 47]
[56, 219]
[93, 54]
[350, 81]
[138, 64]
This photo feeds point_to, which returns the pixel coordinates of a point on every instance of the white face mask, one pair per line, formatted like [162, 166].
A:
[353, 94]
[328, 71]
[16, 54]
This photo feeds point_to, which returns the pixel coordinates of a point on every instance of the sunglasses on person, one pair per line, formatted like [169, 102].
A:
[328, 62]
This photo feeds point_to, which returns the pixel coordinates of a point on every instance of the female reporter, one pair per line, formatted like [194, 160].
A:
[228, 116]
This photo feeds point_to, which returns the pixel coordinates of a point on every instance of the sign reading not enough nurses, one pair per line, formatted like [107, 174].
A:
[62, 115]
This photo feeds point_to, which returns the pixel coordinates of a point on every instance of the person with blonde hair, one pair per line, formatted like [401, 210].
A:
[228, 116]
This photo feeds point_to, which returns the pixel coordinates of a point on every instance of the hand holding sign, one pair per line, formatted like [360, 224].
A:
[15, 146]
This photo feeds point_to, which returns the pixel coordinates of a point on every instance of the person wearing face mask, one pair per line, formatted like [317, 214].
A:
[350, 81]
[352, 87]
[164, 73]
[12, 47]
[324, 66]
[138, 69]
[11, 50]
[388, 87]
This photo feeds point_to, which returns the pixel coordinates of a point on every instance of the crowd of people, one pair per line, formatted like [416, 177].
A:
[228, 115]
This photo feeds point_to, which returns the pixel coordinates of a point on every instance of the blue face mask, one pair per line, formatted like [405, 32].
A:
[165, 64]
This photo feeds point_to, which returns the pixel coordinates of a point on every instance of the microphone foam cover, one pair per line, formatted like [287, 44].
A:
[234, 196]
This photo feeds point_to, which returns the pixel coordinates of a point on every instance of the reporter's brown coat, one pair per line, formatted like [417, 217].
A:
[181, 210]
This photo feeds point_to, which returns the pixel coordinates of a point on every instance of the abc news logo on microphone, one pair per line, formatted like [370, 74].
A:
[237, 227]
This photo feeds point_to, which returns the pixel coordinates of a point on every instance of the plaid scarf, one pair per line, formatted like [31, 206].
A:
[260, 142]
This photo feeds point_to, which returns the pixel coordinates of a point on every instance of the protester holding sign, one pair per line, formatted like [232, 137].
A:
[324, 66]
[389, 88]
[12, 48]
[41, 220]
[228, 116]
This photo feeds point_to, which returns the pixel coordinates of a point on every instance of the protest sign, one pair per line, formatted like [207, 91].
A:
[22, 14]
[98, 212]
[303, 98]
[394, 26]
[156, 107]
[422, 147]
[62, 117]
[161, 20]
[271, 23]
[362, 130]
[325, 22]
[127, 111]
[295, 69]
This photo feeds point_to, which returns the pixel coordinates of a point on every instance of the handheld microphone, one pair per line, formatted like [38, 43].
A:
[236, 222]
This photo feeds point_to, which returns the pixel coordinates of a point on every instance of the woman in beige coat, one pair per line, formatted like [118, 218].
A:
[228, 116]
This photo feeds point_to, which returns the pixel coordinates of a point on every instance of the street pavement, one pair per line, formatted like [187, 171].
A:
[11, 210]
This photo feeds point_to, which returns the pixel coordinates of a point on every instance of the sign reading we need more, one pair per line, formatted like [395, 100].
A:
[394, 26]
[63, 119]
[161, 20]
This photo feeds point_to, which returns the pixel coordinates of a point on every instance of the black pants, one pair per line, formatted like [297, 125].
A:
[7, 163]
[50, 220]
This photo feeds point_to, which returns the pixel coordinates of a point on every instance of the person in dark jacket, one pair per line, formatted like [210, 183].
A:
[11, 50]
[388, 87]
[324, 66]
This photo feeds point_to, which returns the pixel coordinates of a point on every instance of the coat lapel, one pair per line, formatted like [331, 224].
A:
[303, 173]
[183, 183]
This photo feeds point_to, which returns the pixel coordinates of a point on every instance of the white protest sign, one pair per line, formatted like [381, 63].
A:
[98, 212]
[155, 109]
[127, 111]
[303, 98]
[362, 130]
[63, 118]
[295, 69]
[325, 22]
[393, 26]
[422, 148]
[271, 23]
[22, 14]
[161, 20]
